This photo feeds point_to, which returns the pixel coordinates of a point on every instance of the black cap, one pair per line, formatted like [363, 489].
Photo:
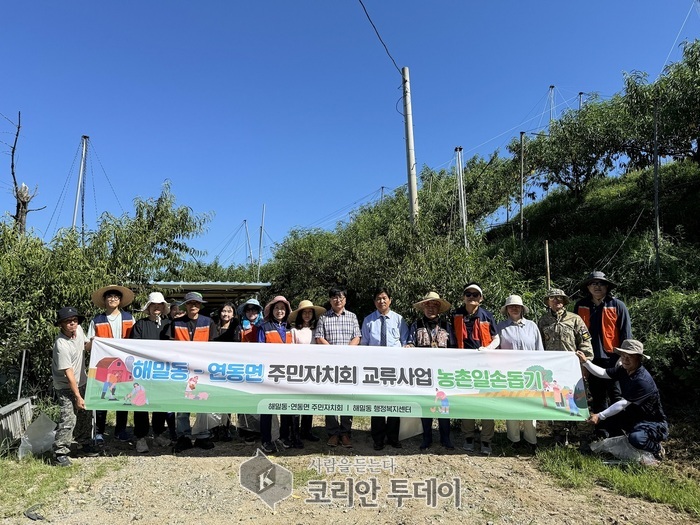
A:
[66, 313]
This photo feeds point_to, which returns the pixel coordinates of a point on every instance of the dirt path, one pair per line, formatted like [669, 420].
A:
[203, 487]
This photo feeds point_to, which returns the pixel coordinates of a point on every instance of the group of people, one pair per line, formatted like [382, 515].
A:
[623, 397]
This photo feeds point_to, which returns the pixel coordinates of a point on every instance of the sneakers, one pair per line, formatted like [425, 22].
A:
[297, 443]
[203, 443]
[141, 445]
[447, 445]
[378, 445]
[124, 436]
[468, 445]
[486, 448]
[333, 441]
[308, 436]
[90, 451]
[286, 442]
[345, 441]
[99, 440]
[182, 443]
[162, 440]
[268, 447]
[395, 444]
[425, 445]
[62, 461]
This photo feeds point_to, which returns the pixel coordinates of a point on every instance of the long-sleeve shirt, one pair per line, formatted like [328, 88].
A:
[519, 335]
[396, 329]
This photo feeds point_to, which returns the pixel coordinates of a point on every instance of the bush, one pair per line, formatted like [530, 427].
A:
[668, 322]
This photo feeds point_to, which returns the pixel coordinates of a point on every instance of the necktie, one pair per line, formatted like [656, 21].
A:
[382, 337]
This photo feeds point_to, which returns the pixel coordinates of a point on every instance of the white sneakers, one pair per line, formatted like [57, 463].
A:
[485, 447]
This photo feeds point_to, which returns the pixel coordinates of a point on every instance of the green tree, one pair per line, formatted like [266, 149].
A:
[37, 279]
[672, 103]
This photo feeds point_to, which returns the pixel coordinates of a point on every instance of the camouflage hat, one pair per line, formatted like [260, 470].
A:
[556, 292]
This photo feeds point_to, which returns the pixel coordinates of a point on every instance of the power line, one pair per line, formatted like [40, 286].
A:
[379, 37]
[692, 4]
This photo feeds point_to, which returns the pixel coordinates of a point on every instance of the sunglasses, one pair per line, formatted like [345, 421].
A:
[597, 283]
[472, 294]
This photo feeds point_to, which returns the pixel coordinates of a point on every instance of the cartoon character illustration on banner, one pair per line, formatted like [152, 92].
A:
[137, 396]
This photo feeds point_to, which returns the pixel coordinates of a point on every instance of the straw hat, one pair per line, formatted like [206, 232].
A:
[275, 300]
[98, 296]
[514, 300]
[156, 298]
[432, 296]
[320, 310]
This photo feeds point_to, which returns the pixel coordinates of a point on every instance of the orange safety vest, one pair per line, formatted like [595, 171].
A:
[482, 331]
[104, 329]
[250, 335]
[201, 331]
[273, 336]
[608, 333]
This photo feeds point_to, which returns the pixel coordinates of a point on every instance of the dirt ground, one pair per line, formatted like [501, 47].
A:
[200, 486]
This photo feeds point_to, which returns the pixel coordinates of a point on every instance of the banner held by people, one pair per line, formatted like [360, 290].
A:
[237, 377]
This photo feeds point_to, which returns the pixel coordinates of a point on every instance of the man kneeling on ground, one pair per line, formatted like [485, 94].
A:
[639, 413]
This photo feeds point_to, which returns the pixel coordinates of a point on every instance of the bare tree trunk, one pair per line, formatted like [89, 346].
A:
[21, 192]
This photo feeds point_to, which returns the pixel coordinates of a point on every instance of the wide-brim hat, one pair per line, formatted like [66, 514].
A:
[249, 302]
[275, 300]
[67, 313]
[554, 292]
[305, 305]
[432, 296]
[595, 276]
[193, 296]
[512, 300]
[631, 347]
[156, 298]
[98, 296]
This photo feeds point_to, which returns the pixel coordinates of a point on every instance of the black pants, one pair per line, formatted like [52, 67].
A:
[603, 393]
[101, 421]
[307, 422]
[443, 428]
[289, 426]
[385, 428]
[159, 420]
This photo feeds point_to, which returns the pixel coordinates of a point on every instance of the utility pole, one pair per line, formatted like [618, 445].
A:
[522, 181]
[410, 147]
[551, 103]
[262, 229]
[657, 229]
[247, 236]
[580, 100]
[461, 195]
[83, 162]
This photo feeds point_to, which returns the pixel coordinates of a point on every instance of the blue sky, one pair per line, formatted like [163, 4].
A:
[293, 104]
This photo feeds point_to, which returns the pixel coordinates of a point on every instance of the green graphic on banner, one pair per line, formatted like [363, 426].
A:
[312, 379]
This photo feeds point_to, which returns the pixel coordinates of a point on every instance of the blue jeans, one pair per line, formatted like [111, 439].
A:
[648, 435]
